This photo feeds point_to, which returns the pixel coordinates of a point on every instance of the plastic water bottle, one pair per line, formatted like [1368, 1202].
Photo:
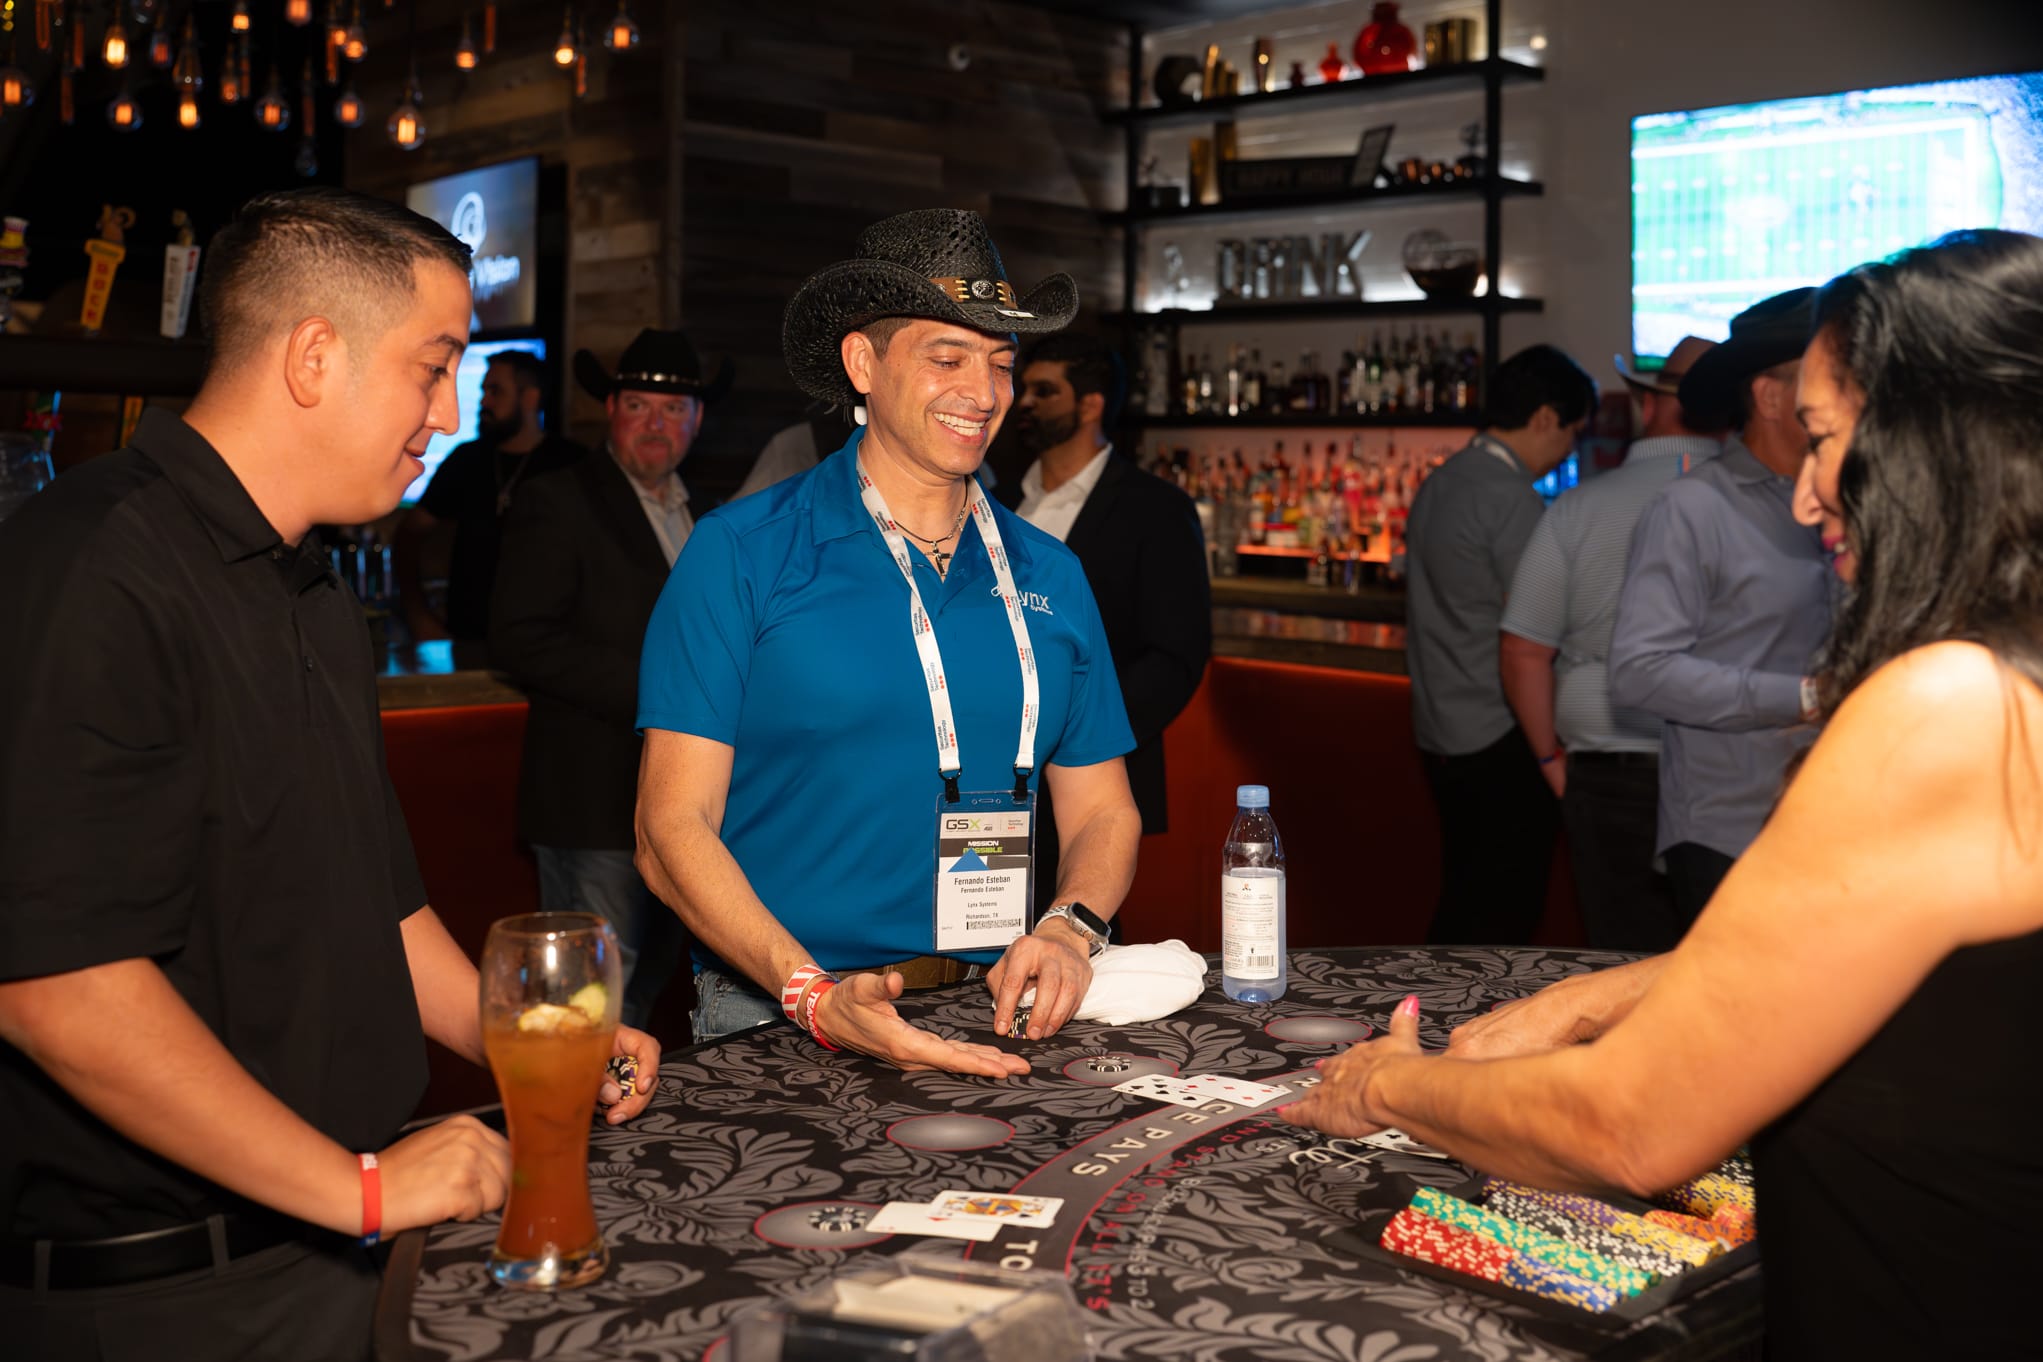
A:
[1253, 964]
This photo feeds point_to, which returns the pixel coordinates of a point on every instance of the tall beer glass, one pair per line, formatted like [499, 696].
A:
[549, 1018]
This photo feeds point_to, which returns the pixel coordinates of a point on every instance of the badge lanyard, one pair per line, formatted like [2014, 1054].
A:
[948, 759]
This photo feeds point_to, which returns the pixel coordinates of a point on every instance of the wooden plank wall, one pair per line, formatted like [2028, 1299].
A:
[800, 121]
[808, 119]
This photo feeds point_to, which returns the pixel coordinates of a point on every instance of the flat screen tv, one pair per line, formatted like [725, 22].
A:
[495, 211]
[468, 389]
[1734, 204]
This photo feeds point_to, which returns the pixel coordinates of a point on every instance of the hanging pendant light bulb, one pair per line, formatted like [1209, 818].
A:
[67, 100]
[245, 67]
[297, 13]
[355, 42]
[464, 51]
[187, 108]
[187, 72]
[272, 114]
[407, 126]
[123, 114]
[160, 52]
[77, 59]
[489, 29]
[240, 21]
[232, 86]
[347, 110]
[45, 15]
[565, 48]
[114, 51]
[16, 90]
[622, 35]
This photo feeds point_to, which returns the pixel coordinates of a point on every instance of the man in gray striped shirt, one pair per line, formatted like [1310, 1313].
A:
[1603, 762]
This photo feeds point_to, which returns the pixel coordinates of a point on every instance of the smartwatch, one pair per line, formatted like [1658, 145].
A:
[1083, 920]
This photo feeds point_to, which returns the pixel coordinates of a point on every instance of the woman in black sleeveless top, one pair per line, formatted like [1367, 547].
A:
[1856, 1001]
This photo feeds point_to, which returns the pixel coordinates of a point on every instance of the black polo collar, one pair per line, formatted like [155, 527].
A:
[222, 505]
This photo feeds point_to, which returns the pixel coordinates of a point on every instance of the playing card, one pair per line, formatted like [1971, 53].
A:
[1162, 1088]
[913, 1217]
[1009, 1208]
[1237, 1090]
[1396, 1141]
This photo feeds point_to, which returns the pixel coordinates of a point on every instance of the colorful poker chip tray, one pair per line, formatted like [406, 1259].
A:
[1608, 1261]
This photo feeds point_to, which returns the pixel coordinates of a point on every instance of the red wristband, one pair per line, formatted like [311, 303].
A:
[791, 992]
[809, 1012]
[372, 1201]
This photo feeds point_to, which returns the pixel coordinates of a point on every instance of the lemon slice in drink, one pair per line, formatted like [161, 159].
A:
[549, 1019]
[592, 1001]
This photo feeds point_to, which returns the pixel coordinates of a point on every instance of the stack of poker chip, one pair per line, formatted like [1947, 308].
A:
[1603, 1215]
[1531, 1243]
[1420, 1236]
[1704, 1196]
[1594, 1238]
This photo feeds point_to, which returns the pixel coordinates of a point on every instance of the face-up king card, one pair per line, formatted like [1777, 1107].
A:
[913, 1217]
[1237, 1090]
[1163, 1088]
[1008, 1208]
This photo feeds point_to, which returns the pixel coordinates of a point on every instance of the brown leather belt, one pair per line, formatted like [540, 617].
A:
[924, 971]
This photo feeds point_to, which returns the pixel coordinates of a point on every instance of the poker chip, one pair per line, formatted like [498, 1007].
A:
[838, 1219]
[1551, 1283]
[1735, 1225]
[1420, 1236]
[1606, 1216]
[1702, 1196]
[1681, 1223]
[624, 1073]
[1018, 1029]
[1617, 1248]
[1529, 1242]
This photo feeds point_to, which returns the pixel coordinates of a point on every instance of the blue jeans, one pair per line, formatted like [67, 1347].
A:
[728, 1003]
[651, 939]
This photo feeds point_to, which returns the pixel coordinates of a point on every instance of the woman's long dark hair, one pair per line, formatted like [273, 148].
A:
[1942, 488]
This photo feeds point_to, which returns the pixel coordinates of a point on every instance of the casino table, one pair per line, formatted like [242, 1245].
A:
[1211, 1234]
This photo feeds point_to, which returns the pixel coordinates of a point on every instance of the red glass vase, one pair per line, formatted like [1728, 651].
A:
[1385, 45]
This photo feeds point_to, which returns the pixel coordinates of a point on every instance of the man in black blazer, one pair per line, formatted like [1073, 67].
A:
[586, 551]
[1139, 541]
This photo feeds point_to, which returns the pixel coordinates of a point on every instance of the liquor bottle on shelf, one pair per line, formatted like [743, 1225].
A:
[1188, 385]
[1344, 384]
[1231, 402]
[1252, 384]
[1208, 398]
[1277, 392]
[1372, 366]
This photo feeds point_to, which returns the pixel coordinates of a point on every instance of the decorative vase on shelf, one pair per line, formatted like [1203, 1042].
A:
[1385, 45]
[1331, 65]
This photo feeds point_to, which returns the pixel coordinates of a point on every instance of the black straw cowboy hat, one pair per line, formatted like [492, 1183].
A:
[939, 264]
[654, 362]
[1771, 331]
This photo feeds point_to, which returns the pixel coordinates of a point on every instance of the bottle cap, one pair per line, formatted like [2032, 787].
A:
[1252, 796]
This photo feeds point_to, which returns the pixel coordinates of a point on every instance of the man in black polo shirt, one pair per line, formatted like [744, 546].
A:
[472, 492]
[215, 956]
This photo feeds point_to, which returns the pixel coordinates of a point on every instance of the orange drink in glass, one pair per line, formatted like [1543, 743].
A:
[549, 1020]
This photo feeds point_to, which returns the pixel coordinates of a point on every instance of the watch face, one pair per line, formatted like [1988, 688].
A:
[1088, 919]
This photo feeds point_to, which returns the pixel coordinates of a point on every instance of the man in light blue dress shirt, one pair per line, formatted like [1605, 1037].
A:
[1603, 762]
[1726, 603]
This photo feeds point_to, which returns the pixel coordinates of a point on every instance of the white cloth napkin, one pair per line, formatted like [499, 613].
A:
[1139, 983]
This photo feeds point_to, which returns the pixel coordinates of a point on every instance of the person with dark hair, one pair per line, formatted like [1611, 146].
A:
[1136, 536]
[1555, 651]
[1725, 604]
[217, 963]
[873, 662]
[1890, 913]
[471, 493]
[1468, 527]
[587, 550]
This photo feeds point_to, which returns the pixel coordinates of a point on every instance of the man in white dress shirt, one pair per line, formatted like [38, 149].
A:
[1136, 536]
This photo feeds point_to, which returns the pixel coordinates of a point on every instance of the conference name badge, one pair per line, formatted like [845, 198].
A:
[985, 860]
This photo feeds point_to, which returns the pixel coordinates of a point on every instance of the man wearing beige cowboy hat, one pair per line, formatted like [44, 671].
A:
[857, 679]
[1603, 762]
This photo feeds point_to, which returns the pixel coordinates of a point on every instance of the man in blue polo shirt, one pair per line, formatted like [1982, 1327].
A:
[856, 656]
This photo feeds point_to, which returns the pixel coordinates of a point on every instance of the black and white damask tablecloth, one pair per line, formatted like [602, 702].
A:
[1201, 1235]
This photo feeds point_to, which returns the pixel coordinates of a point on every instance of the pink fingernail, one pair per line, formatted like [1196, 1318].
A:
[1319, 1064]
[1409, 1007]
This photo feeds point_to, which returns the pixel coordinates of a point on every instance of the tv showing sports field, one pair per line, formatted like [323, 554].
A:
[1734, 204]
